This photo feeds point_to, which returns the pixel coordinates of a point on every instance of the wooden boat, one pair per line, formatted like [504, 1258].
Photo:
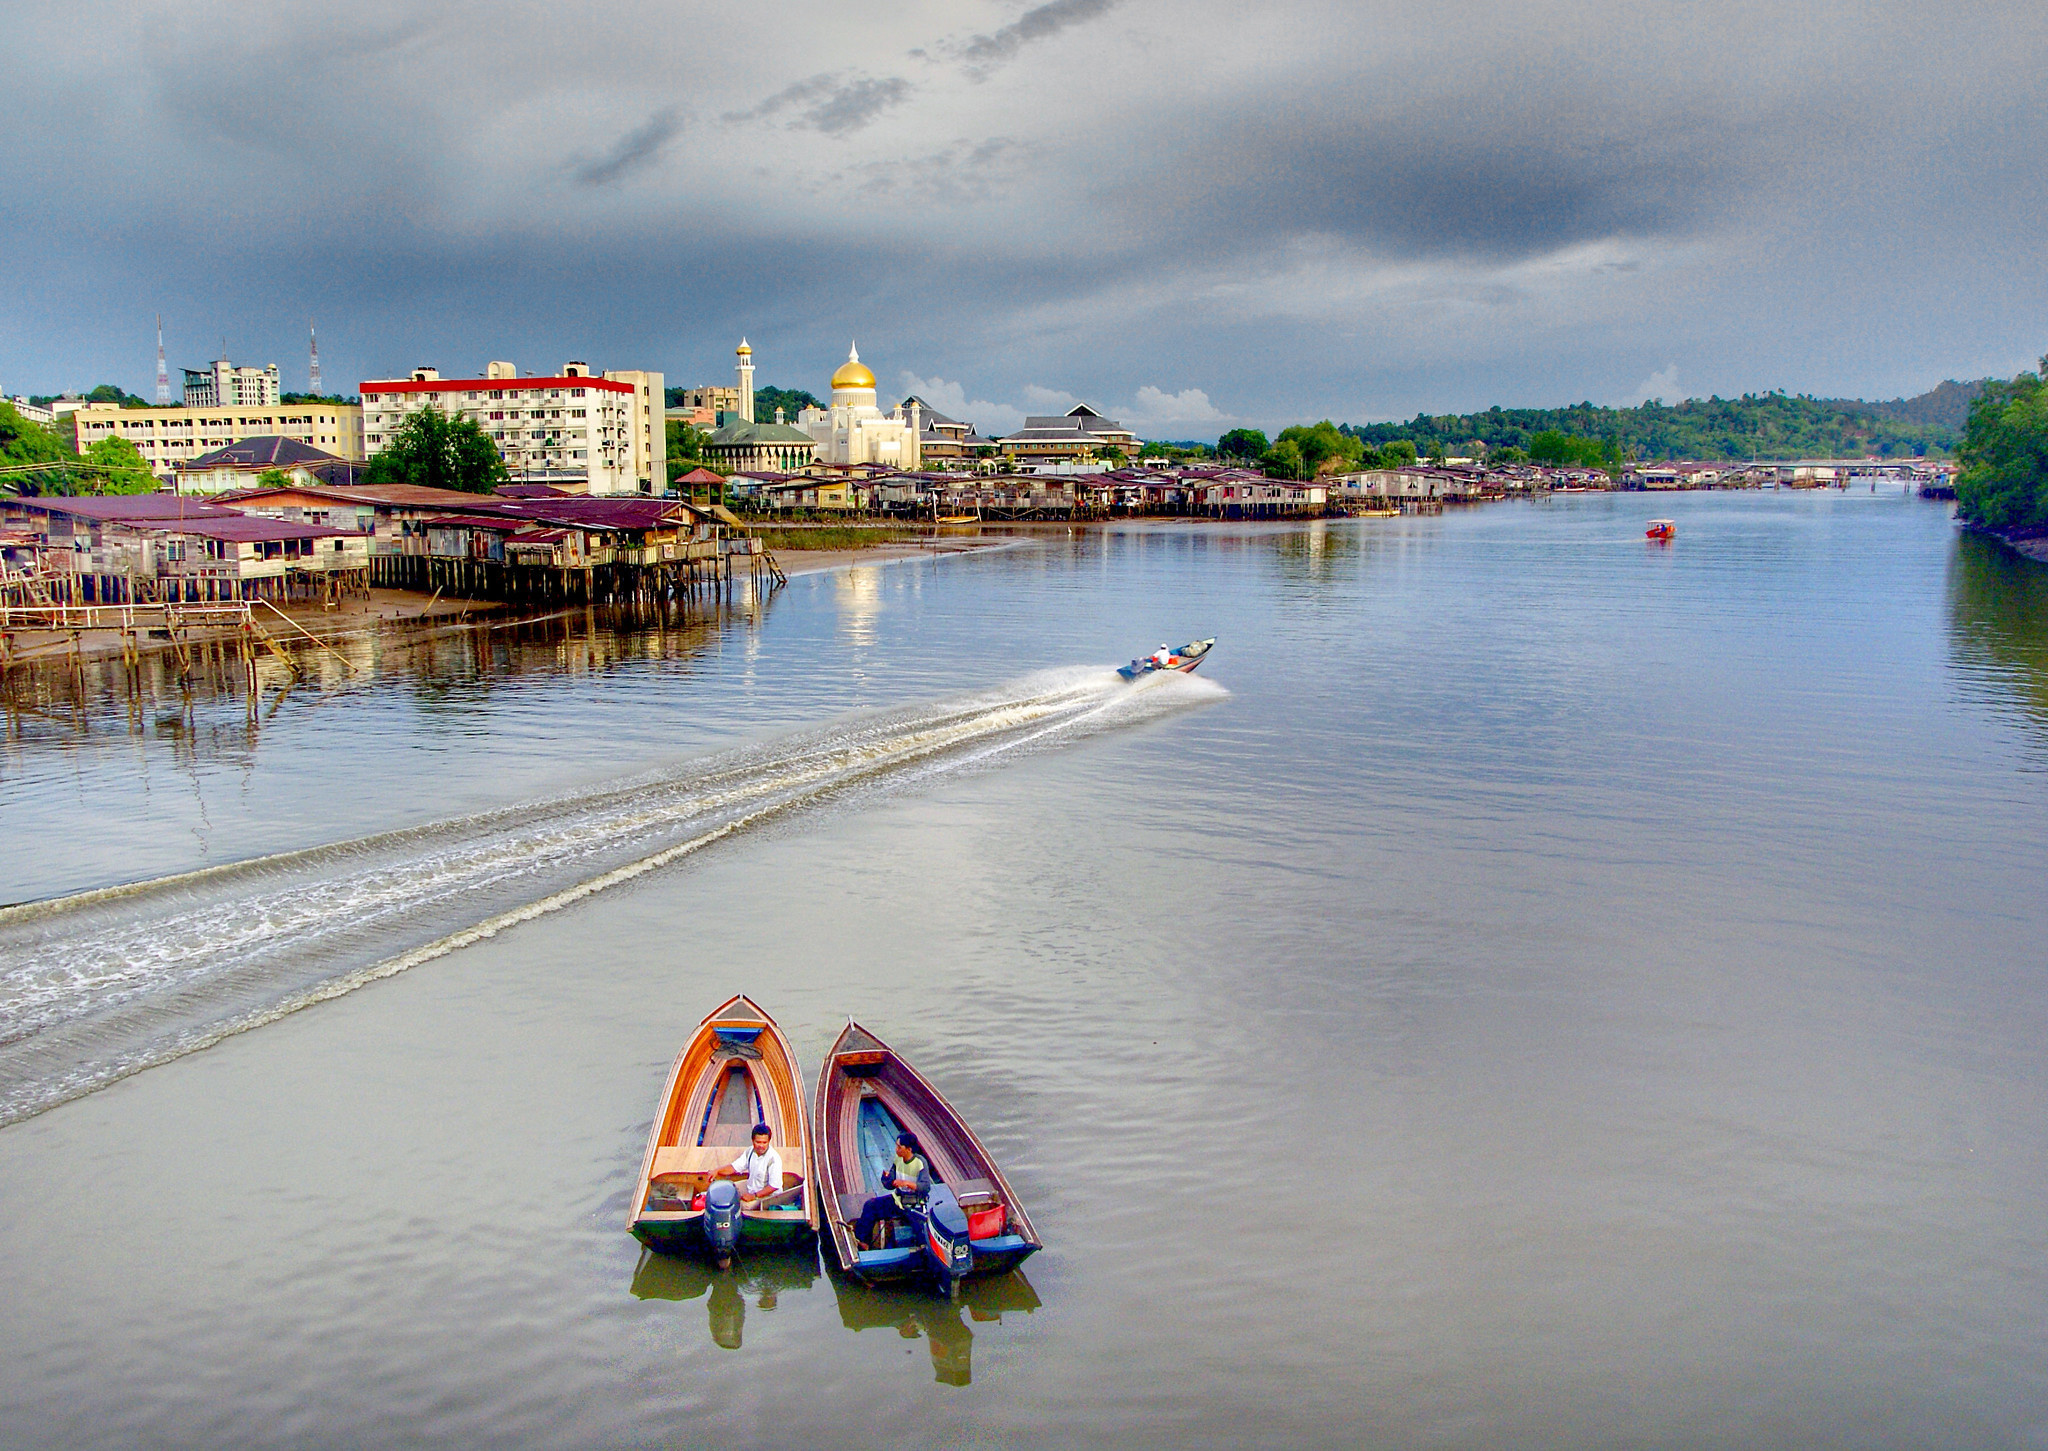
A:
[737, 1070]
[1662, 529]
[971, 1225]
[1184, 660]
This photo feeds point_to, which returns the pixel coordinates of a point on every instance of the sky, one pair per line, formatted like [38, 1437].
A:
[1193, 216]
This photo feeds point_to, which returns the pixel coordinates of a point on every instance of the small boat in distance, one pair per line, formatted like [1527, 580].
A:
[1662, 530]
[737, 1070]
[1184, 660]
[970, 1224]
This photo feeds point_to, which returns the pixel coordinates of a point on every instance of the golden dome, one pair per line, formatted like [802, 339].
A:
[743, 350]
[853, 373]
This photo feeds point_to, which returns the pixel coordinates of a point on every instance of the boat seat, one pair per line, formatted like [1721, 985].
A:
[698, 1158]
[975, 1191]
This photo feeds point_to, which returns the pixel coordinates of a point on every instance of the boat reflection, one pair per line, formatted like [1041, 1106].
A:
[912, 1312]
[762, 1276]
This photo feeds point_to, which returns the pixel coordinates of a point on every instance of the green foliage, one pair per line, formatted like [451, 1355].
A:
[791, 401]
[109, 393]
[297, 398]
[2004, 482]
[1115, 457]
[118, 467]
[1563, 450]
[1766, 425]
[440, 452]
[1242, 443]
[1399, 454]
[685, 444]
[24, 443]
[273, 479]
[1323, 449]
[1283, 460]
[1510, 455]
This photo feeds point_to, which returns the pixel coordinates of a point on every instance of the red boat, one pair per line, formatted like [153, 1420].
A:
[1662, 530]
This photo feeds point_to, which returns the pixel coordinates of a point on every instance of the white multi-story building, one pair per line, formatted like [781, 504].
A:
[168, 437]
[221, 384]
[608, 429]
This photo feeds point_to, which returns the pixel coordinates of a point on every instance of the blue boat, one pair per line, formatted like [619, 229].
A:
[971, 1224]
[1184, 660]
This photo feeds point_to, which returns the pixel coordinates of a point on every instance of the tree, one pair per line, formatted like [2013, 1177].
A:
[273, 479]
[2004, 482]
[1509, 455]
[1242, 443]
[1283, 460]
[1324, 448]
[23, 444]
[117, 467]
[1399, 454]
[1113, 456]
[686, 441]
[109, 393]
[791, 401]
[440, 452]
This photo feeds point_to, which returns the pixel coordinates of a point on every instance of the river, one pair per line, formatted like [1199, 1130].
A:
[1533, 987]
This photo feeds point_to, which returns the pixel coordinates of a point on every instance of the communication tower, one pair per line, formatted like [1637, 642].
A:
[313, 334]
[163, 374]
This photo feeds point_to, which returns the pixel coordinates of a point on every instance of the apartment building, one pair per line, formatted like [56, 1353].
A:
[168, 437]
[606, 429]
[222, 384]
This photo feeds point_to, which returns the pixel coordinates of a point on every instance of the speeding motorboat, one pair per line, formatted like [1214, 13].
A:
[1185, 659]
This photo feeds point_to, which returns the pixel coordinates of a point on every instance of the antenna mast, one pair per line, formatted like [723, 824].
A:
[163, 374]
[314, 334]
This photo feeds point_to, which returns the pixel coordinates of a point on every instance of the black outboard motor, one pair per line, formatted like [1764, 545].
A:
[722, 1220]
[945, 1239]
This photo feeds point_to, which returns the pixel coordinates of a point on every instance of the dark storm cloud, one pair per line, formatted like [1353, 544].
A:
[987, 51]
[831, 103]
[639, 147]
[1478, 180]
[1312, 207]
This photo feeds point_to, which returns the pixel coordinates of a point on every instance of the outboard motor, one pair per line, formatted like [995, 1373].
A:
[722, 1220]
[945, 1239]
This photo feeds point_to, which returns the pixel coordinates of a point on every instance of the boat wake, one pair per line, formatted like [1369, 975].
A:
[103, 984]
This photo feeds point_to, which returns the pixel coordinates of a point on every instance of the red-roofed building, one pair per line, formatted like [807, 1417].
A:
[590, 434]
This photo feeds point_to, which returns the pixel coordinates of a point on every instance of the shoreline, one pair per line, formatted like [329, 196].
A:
[411, 607]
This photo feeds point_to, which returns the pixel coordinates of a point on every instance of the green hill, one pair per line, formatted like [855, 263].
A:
[1756, 425]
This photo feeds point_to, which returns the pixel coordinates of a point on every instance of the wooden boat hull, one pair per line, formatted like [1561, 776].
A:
[866, 1094]
[736, 1070]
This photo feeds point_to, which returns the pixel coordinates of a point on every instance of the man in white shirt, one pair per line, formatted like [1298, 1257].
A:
[760, 1166]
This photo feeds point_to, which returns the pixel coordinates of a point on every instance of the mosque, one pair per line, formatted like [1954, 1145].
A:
[853, 430]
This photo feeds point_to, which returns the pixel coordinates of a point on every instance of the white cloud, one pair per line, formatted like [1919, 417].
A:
[1190, 405]
[1048, 400]
[1661, 386]
[990, 420]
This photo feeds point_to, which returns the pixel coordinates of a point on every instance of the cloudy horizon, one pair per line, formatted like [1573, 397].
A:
[1192, 217]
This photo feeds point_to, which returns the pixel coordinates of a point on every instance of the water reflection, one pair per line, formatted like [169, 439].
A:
[762, 1276]
[206, 700]
[944, 1324]
[1998, 626]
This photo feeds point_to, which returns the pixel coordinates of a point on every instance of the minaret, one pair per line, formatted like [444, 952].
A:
[313, 334]
[746, 372]
[163, 374]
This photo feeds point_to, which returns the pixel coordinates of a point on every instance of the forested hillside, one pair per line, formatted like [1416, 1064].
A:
[1766, 425]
